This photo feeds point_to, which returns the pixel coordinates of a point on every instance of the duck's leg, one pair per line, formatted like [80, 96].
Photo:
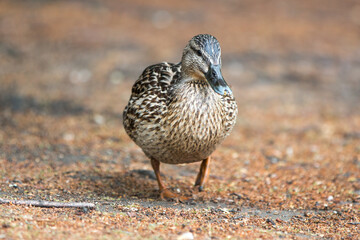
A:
[203, 173]
[164, 192]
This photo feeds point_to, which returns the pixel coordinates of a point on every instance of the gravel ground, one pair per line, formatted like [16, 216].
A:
[290, 169]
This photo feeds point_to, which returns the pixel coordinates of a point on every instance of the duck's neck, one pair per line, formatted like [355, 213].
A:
[192, 90]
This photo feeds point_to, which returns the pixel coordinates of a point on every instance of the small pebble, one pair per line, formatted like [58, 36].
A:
[269, 220]
[99, 119]
[306, 214]
[79, 76]
[13, 185]
[68, 137]
[186, 236]
[116, 77]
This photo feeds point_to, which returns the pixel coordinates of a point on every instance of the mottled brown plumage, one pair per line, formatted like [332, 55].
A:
[179, 113]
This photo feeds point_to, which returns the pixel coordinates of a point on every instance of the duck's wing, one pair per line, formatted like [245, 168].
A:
[148, 100]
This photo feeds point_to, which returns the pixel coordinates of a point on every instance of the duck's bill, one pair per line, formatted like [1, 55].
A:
[216, 80]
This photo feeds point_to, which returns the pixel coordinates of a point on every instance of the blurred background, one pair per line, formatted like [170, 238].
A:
[67, 68]
[66, 72]
[286, 56]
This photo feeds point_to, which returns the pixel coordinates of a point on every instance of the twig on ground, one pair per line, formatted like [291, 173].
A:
[48, 204]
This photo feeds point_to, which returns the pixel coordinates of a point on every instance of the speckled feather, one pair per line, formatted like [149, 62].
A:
[176, 121]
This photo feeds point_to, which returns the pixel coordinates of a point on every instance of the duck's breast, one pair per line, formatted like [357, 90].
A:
[194, 125]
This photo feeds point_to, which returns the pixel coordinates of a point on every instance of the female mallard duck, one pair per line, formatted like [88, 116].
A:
[179, 113]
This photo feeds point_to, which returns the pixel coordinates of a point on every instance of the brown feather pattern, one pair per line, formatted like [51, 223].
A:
[176, 119]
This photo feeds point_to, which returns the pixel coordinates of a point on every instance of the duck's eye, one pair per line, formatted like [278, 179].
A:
[198, 52]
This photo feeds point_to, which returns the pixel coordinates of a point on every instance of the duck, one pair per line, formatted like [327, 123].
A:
[180, 113]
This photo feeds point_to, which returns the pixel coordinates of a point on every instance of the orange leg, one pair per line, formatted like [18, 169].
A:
[203, 174]
[164, 192]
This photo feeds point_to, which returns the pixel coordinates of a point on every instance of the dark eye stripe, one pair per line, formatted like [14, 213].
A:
[197, 51]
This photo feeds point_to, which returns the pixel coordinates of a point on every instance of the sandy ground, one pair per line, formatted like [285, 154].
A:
[290, 169]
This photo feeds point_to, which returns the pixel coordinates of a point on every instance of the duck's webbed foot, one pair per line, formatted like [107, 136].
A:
[165, 193]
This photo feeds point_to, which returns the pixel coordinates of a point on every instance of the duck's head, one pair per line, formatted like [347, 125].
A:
[202, 60]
